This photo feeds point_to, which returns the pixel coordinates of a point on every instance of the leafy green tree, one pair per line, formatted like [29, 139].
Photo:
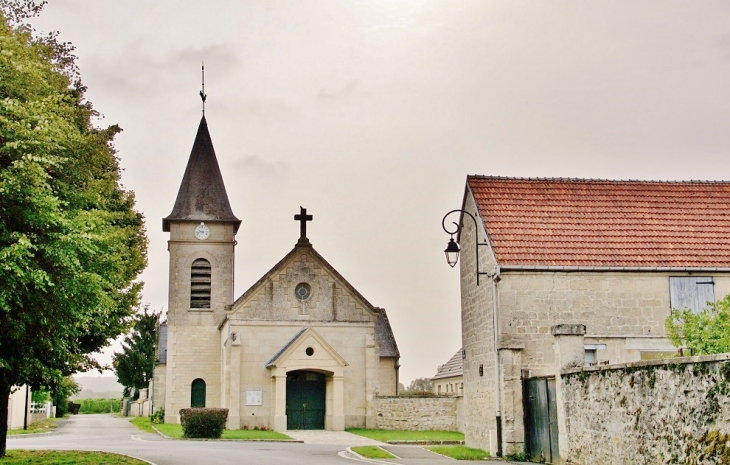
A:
[418, 386]
[135, 364]
[71, 243]
[62, 390]
[707, 332]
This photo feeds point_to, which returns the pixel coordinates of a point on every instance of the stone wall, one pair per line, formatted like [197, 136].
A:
[477, 333]
[418, 413]
[669, 411]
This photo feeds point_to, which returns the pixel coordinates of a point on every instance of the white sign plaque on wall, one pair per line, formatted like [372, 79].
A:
[254, 397]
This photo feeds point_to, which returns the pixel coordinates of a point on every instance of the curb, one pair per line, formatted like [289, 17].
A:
[228, 440]
[424, 442]
[28, 435]
[352, 455]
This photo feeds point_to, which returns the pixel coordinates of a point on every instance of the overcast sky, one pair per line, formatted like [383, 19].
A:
[371, 113]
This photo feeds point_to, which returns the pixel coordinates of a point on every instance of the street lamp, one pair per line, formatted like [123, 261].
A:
[452, 248]
[452, 252]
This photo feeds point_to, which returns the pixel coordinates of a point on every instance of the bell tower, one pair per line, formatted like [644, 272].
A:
[202, 230]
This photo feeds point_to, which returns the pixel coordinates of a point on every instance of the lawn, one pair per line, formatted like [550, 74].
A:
[459, 452]
[385, 435]
[37, 427]
[143, 423]
[176, 432]
[373, 452]
[26, 457]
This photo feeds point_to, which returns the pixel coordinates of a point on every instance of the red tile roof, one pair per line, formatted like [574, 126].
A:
[601, 223]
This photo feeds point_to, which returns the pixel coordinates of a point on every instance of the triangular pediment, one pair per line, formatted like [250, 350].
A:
[330, 296]
[307, 349]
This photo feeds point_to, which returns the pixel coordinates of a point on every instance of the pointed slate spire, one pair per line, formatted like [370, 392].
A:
[202, 195]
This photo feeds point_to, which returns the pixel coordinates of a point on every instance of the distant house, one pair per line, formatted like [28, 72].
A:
[449, 378]
[615, 256]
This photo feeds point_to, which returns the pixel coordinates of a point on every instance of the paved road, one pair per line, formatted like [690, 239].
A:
[112, 434]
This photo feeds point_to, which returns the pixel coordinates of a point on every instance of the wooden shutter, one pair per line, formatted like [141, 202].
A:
[691, 292]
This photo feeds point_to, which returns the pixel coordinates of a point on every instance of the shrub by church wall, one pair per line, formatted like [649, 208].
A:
[669, 411]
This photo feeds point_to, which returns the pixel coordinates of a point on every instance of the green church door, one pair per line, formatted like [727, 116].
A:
[305, 400]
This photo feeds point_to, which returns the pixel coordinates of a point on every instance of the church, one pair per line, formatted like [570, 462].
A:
[300, 349]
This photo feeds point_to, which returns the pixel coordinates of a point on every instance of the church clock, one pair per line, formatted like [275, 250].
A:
[202, 232]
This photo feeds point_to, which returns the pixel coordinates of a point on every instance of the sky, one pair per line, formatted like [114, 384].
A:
[370, 114]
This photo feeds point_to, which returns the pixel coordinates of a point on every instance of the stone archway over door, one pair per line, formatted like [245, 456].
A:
[305, 400]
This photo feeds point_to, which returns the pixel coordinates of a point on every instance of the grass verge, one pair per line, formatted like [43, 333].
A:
[373, 452]
[37, 427]
[57, 457]
[385, 435]
[459, 452]
[176, 432]
[143, 423]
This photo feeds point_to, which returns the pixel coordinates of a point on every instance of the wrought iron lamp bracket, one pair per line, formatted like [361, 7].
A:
[457, 229]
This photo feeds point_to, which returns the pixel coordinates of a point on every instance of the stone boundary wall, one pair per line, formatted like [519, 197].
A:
[417, 413]
[668, 411]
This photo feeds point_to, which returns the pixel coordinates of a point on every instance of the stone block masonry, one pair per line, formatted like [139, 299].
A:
[417, 413]
[669, 411]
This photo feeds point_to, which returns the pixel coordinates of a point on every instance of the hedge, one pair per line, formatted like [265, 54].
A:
[203, 422]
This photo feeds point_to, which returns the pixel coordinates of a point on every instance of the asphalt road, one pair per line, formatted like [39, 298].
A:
[111, 434]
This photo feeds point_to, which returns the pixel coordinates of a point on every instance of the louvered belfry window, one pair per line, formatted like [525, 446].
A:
[200, 284]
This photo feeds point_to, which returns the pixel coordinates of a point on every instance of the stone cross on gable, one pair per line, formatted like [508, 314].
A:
[302, 217]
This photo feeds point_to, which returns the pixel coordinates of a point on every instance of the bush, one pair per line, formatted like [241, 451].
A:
[158, 417]
[203, 422]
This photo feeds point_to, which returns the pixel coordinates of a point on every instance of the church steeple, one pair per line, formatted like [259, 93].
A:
[202, 195]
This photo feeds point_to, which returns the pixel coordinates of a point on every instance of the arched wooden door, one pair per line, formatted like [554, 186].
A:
[197, 394]
[305, 400]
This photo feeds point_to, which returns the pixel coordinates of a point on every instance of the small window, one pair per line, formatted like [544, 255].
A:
[691, 292]
[197, 394]
[590, 357]
[200, 284]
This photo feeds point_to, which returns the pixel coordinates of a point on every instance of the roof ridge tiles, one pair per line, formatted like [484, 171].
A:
[597, 180]
[604, 223]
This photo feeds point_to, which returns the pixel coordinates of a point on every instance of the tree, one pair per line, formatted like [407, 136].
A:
[135, 364]
[707, 332]
[64, 389]
[71, 243]
[419, 386]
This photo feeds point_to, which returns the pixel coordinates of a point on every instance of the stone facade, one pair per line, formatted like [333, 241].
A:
[653, 412]
[300, 323]
[623, 311]
[478, 339]
[192, 332]
[418, 413]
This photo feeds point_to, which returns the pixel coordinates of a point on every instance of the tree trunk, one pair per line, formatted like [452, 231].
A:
[4, 399]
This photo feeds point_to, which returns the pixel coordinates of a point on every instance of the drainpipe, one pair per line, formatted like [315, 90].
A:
[497, 391]
[25, 417]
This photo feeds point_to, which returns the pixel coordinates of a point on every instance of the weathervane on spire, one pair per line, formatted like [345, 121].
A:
[203, 96]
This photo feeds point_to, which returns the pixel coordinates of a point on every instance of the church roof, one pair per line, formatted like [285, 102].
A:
[202, 195]
[385, 337]
[454, 367]
[557, 222]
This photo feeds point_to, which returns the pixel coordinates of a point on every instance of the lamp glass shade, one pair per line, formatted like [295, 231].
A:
[452, 253]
